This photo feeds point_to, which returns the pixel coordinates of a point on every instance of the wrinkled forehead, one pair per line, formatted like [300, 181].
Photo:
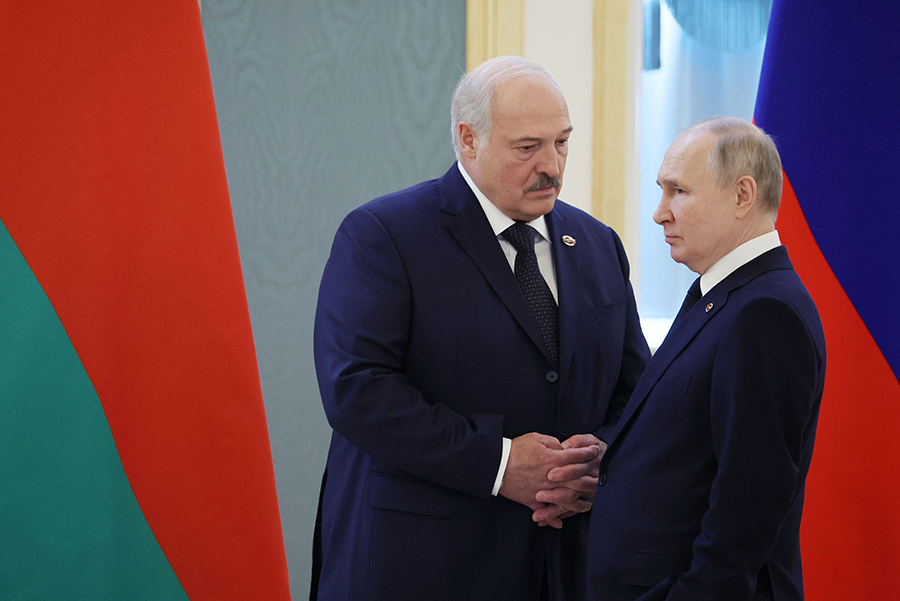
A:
[518, 92]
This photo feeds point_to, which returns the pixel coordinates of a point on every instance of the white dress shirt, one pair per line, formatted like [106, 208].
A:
[740, 256]
[500, 222]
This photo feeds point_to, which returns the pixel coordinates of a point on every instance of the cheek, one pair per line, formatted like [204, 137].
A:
[689, 227]
[518, 176]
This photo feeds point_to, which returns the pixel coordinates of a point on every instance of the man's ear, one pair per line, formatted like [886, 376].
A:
[745, 195]
[468, 140]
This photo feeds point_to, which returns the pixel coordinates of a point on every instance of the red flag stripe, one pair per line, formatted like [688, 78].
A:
[116, 195]
[848, 524]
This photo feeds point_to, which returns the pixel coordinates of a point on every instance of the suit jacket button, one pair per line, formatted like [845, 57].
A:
[601, 481]
[552, 376]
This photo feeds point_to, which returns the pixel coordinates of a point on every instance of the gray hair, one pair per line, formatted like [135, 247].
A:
[742, 148]
[474, 94]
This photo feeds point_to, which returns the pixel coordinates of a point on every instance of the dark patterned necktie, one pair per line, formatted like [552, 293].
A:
[533, 285]
[693, 295]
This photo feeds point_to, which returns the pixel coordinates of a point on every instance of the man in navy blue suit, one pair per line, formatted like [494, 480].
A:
[472, 333]
[701, 488]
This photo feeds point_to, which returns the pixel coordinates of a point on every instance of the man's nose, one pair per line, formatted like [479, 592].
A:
[662, 213]
[550, 162]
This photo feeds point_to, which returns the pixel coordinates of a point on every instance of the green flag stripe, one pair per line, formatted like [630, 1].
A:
[71, 526]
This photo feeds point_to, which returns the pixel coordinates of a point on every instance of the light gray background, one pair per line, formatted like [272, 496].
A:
[323, 105]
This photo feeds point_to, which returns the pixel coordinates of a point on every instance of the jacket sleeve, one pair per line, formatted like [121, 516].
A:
[763, 399]
[361, 332]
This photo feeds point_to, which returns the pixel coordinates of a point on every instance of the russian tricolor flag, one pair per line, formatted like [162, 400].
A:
[134, 454]
[830, 96]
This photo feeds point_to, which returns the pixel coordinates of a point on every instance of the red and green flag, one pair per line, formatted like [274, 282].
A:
[134, 454]
[830, 96]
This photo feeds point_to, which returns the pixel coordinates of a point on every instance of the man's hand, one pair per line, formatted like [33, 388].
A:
[574, 484]
[533, 456]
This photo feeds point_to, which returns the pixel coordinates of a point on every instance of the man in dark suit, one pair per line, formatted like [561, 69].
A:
[701, 488]
[458, 365]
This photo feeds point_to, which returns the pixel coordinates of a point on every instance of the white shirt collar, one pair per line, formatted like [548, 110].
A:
[740, 256]
[498, 220]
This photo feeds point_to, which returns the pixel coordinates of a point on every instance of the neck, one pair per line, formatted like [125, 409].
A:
[754, 228]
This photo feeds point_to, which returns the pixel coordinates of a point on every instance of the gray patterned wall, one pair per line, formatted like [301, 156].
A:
[322, 105]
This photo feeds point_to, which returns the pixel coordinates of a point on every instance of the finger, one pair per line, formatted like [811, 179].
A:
[578, 506]
[546, 440]
[576, 455]
[566, 506]
[571, 489]
[585, 484]
[556, 496]
[537, 506]
[584, 487]
[554, 523]
[581, 440]
[572, 471]
[548, 514]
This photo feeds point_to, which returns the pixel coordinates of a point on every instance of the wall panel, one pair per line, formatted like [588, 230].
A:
[323, 105]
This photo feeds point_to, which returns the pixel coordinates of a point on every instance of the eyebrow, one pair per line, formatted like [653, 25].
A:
[535, 139]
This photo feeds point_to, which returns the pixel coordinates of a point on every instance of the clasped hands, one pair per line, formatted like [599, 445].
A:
[555, 479]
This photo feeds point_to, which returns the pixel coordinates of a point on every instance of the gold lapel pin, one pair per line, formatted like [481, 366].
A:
[568, 240]
[709, 307]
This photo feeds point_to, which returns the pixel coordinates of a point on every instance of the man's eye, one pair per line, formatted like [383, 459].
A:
[527, 148]
[679, 191]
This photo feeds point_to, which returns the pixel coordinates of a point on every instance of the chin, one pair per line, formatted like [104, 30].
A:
[678, 258]
[538, 208]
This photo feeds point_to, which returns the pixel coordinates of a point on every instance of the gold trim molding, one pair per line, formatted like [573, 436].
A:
[494, 28]
[616, 72]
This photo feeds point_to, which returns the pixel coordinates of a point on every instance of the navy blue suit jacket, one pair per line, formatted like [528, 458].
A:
[427, 355]
[704, 480]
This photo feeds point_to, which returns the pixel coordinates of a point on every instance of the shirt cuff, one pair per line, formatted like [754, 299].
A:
[504, 459]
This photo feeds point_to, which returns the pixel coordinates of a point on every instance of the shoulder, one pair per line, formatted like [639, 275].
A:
[779, 286]
[402, 203]
[397, 211]
[405, 219]
[776, 306]
[420, 201]
[767, 279]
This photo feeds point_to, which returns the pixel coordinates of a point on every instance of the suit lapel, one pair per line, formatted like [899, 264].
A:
[680, 335]
[468, 224]
[568, 288]
[685, 329]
